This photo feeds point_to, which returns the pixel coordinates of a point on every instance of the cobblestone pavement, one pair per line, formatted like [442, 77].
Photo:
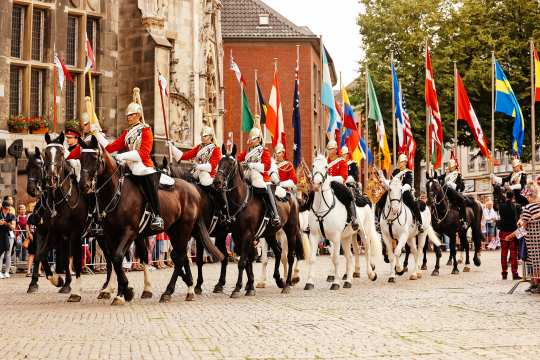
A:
[450, 317]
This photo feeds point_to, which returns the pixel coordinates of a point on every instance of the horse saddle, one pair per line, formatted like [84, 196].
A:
[166, 182]
[359, 199]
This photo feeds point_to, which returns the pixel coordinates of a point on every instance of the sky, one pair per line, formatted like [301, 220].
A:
[335, 20]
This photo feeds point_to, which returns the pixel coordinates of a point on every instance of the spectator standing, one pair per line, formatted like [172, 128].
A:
[489, 219]
[20, 232]
[7, 227]
[509, 216]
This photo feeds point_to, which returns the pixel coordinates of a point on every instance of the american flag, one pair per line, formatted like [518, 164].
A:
[407, 145]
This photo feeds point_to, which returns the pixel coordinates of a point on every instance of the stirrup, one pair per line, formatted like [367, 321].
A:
[275, 221]
[156, 223]
[96, 230]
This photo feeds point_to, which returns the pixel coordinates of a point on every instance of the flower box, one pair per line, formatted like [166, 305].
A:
[38, 125]
[18, 124]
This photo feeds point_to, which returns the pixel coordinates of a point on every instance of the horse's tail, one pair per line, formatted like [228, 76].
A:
[432, 235]
[374, 238]
[204, 237]
[476, 227]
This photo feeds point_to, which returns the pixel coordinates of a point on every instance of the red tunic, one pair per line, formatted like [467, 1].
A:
[147, 141]
[286, 171]
[265, 159]
[340, 168]
[75, 153]
[214, 158]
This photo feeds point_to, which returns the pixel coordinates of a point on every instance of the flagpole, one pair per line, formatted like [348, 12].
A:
[320, 141]
[366, 112]
[255, 109]
[493, 103]
[163, 108]
[428, 163]
[54, 99]
[241, 110]
[533, 119]
[393, 111]
[455, 111]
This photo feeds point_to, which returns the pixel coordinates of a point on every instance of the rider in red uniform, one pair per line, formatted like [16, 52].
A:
[287, 175]
[338, 171]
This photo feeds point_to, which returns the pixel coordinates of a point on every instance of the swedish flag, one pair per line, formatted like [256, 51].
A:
[506, 103]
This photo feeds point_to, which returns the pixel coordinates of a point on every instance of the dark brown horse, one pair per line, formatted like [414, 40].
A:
[445, 219]
[247, 211]
[122, 208]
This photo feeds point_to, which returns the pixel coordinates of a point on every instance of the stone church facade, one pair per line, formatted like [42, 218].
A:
[133, 41]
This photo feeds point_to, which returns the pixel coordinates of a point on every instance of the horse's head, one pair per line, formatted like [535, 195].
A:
[227, 167]
[54, 160]
[92, 165]
[433, 190]
[34, 170]
[319, 172]
[395, 196]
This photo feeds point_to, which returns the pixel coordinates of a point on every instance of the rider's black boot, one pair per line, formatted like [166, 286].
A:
[150, 185]
[275, 220]
[351, 210]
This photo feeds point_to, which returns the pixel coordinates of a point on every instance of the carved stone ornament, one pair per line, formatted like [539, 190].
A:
[75, 3]
[93, 5]
[181, 121]
[153, 8]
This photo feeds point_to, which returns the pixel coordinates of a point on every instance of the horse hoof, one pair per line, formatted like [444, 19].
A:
[330, 278]
[391, 280]
[218, 289]
[435, 273]
[235, 294]
[32, 289]
[399, 273]
[374, 277]
[460, 261]
[198, 291]
[104, 295]
[279, 283]
[419, 275]
[60, 282]
[334, 287]
[118, 301]
[466, 269]
[386, 259]
[372, 267]
[165, 298]
[347, 285]
[423, 267]
[344, 277]
[413, 277]
[146, 294]
[260, 285]
[455, 271]
[190, 297]
[250, 293]
[74, 298]
[356, 275]
[309, 287]
[477, 262]
[286, 290]
[295, 280]
[129, 294]
[449, 262]
[66, 289]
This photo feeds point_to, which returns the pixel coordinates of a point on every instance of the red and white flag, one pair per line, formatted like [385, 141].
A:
[435, 136]
[163, 84]
[274, 114]
[238, 73]
[90, 59]
[62, 71]
[466, 113]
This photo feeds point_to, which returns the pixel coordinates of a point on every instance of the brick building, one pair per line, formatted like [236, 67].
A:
[132, 40]
[255, 34]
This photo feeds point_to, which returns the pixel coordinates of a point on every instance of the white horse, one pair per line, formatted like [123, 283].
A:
[397, 224]
[282, 240]
[329, 214]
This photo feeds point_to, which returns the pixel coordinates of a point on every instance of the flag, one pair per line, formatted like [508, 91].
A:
[164, 85]
[435, 133]
[536, 76]
[406, 142]
[262, 103]
[466, 113]
[274, 114]
[327, 95]
[506, 103]
[348, 113]
[90, 60]
[351, 136]
[297, 145]
[339, 124]
[375, 114]
[365, 150]
[62, 71]
[247, 115]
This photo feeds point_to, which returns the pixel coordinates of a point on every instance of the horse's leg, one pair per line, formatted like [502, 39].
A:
[250, 289]
[264, 263]
[287, 241]
[66, 289]
[200, 263]
[406, 261]
[356, 251]
[276, 248]
[424, 252]
[241, 267]
[33, 286]
[188, 279]
[346, 243]
[465, 245]
[414, 250]
[177, 271]
[221, 244]
[391, 258]
[335, 239]
[453, 253]
[121, 278]
[397, 252]
[314, 242]
[108, 287]
[437, 260]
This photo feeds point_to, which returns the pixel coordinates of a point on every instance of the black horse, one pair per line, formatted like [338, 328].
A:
[247, 212]
[445, 220]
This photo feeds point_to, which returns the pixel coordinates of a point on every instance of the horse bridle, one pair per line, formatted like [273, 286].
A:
[38, 181]
[229, 188]
[436, 202]
[389, 201]
[65, 196]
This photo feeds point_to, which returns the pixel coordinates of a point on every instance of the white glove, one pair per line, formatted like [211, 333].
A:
[288, 184]
[495, 179]
[259, 167]
[204, 167]
[132, 155]
[452, 185]
[515, 187]
[274, 178]
[338, 179]
[176, 152]
[94, 128]
[101, 139]
[405, 187]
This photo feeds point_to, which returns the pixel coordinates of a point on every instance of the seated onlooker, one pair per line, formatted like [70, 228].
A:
[7, 227]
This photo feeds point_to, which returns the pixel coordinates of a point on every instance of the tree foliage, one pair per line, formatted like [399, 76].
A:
[462, 31]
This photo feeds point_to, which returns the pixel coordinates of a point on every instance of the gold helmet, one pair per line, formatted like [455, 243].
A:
[332, 144]
[255, 133]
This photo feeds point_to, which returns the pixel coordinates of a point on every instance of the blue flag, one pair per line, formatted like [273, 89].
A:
[506, 103]
[297, 146]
